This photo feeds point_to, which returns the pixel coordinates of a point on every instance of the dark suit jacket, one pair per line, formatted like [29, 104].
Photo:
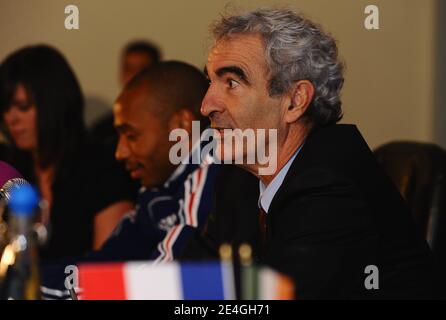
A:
[335, 214]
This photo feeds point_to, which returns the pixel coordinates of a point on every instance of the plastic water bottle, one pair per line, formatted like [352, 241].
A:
[23, 274]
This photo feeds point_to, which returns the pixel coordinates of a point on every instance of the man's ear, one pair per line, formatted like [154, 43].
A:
[302, 93]
[181, 119]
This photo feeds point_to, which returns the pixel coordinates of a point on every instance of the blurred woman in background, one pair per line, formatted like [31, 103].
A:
[87, 191]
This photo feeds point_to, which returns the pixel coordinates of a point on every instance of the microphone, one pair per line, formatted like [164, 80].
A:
[10, 179]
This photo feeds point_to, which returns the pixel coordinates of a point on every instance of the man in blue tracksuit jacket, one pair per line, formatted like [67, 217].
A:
[175, 200]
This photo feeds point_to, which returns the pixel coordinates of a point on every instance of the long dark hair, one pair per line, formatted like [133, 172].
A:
[51, 85]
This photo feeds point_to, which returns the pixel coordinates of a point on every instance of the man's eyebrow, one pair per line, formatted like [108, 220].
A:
[123, 127]
[234, 70]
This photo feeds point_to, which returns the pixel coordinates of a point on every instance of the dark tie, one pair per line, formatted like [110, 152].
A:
[262, 231]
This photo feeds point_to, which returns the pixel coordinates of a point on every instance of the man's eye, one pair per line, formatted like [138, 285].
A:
[131, 137]
[232, 83]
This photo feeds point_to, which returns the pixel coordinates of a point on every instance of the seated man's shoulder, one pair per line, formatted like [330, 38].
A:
[335, 175]
[336, 160]
[338, 147]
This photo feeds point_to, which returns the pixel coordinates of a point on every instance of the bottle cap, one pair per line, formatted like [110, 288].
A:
[24, 199]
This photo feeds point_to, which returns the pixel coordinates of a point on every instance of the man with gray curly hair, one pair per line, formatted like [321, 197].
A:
[333, 220]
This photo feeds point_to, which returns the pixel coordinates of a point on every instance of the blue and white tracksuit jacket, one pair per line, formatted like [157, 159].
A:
[159, 227]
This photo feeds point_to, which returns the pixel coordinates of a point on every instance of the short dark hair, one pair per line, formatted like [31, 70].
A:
[175, 85]
[51, 85]
[146, 47]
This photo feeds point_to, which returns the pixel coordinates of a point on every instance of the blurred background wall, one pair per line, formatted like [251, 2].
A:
[394, 79]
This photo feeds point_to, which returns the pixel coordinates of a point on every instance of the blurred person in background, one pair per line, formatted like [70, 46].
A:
[42, 106]
[136, 56]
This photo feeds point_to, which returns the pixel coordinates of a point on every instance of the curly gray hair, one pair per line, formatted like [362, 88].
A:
[295, 49]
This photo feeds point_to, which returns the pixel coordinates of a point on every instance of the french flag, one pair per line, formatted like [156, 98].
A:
[147, 281]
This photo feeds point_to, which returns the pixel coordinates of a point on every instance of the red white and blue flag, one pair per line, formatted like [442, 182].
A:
[148, 281]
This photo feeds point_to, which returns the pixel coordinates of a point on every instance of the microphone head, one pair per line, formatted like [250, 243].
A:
[10, 179]
[24, 199]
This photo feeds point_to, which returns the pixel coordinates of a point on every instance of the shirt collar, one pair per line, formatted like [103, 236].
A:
[267, 193]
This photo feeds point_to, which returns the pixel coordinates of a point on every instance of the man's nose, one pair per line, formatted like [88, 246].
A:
[211, 103]
[122, 151]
